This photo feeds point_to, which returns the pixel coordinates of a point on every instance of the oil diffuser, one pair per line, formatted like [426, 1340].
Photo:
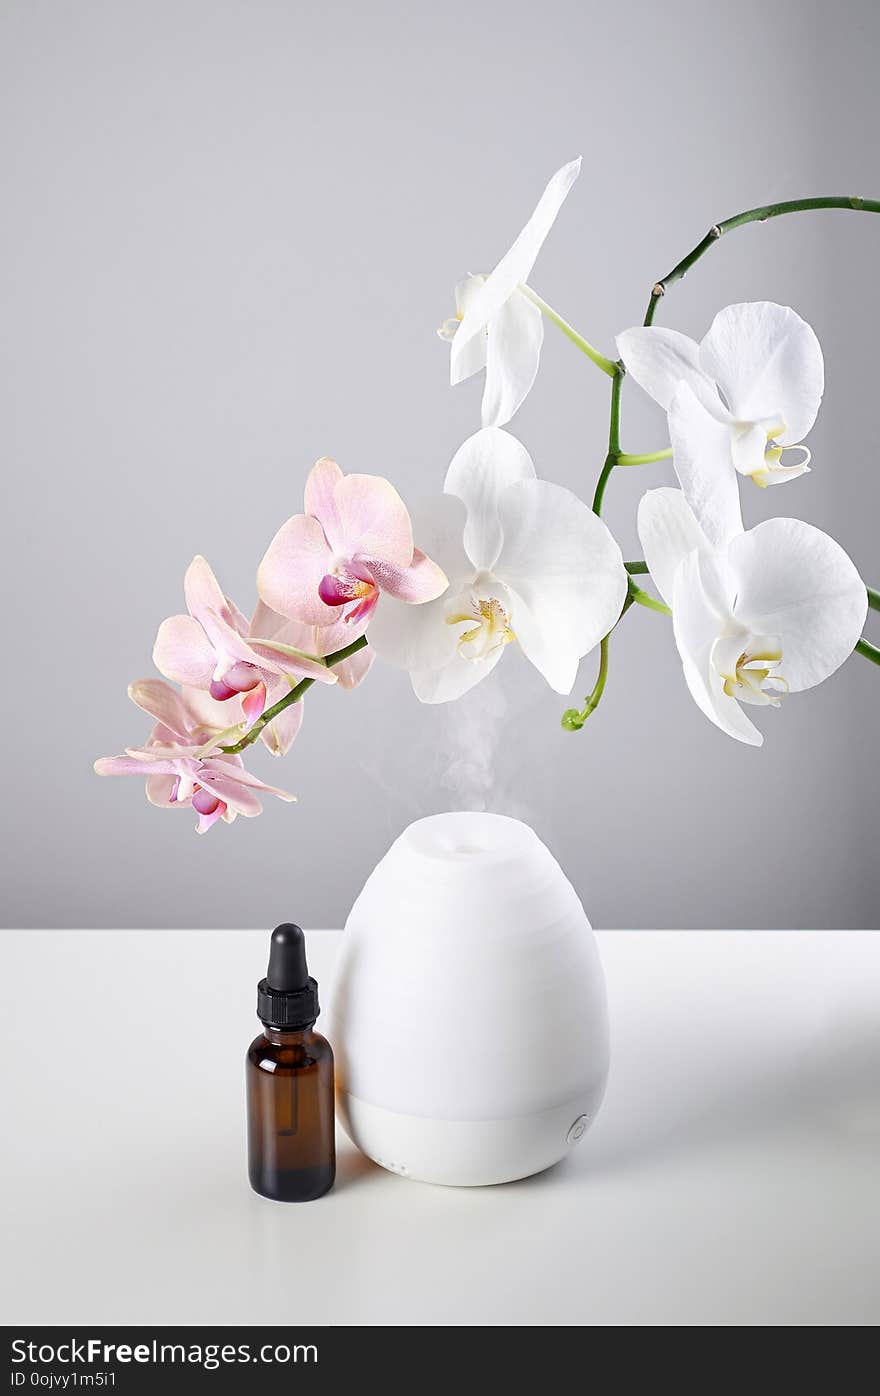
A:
[469, 1015]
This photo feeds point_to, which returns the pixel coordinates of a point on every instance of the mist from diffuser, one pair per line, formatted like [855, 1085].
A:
[469, 1013]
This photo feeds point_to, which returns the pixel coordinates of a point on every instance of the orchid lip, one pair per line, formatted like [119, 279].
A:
[204, 801]
[746, 665]
[491, 632]
[241, 677]
[338, 590]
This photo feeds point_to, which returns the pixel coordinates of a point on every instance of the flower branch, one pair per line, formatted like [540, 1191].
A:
[869, 651]
[515, 563]
[739, 220]
[592, 353]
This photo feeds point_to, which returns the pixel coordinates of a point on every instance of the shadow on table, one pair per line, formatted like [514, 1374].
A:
[658, 1105]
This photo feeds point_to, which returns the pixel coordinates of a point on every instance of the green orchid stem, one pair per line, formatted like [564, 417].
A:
[739, 220]
[644, 598]
[647, 600]
[584, 345]
[647, 459]
[293, 696]
[574, 719]
[873, 599]
[868, 650]
[636, 569]
[601, 483]
[613, 438]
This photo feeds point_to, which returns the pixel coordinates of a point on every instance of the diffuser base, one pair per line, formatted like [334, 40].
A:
[467, 1153]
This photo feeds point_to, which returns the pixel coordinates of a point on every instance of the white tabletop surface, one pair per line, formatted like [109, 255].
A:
[731, 1177]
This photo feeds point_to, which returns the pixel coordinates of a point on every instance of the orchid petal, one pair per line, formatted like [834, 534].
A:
[516, 333]
[278, 735]
[373, 520]
[413, 637]
[696, 624]
[316, 639]
[354, 670]
[183, 652]
[567, 574]
[280, 658]
[320, 501]
[792, 580]
[669, 532]
[660, 359]
[230, 782]
[439, 524]
[134, 766]
[206, 820]
[422, 581]
[203, 593]
[767, 361]
[473, 355]
[229, 645]
[291, 570]
[454, 679]
[781, 474]
[253, 703]
[516, 265]
[748, 442]
[161, 791]
[481, 468]
[162, 702]
[701, 457]
[268, 625]
[206, 714]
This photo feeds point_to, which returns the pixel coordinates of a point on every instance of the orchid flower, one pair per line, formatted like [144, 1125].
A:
[774, 611]
[180, 762]
[214, 649]
[529, 564]
[216, 787]
[736, 402]
[193, 717]
[354, 541]
[496, 326]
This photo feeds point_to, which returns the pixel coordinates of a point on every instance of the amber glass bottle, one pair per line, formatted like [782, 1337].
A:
[289, 1077]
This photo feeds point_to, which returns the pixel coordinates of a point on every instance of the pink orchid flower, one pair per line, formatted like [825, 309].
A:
[179, 771]
[211, 649]
[353, 541]
[193, 717]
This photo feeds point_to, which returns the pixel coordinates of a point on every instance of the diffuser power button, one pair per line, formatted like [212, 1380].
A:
[577, 1130]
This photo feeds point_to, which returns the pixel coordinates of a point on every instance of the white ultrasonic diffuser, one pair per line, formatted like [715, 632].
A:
[469, 1016]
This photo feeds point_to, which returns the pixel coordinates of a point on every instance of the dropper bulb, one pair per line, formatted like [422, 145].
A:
[287, 970]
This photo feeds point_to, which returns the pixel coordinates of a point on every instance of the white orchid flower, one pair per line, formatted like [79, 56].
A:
[496, 326]
[737, 402]
[528, 563]
[774, 611]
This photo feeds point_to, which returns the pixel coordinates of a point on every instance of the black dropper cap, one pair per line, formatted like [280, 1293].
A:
[287, 997]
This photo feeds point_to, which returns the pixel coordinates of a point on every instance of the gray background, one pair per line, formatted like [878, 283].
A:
[229, 232]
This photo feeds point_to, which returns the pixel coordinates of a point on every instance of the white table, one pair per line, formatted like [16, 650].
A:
[732, 1175]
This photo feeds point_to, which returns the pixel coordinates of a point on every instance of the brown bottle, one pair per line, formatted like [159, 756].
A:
[289, 1078]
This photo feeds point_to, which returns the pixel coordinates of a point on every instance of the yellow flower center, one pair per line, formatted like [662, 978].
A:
[448, 328]
[773, 453]
[747, 664]
[491, 631]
